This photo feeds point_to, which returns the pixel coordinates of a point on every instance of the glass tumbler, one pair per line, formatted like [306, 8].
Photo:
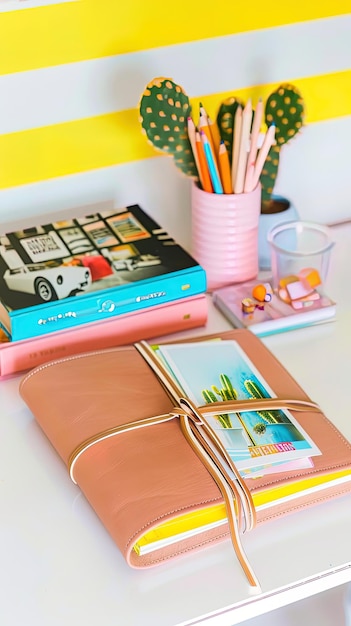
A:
[300, 248]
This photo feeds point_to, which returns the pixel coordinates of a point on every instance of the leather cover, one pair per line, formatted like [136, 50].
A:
[147, 475]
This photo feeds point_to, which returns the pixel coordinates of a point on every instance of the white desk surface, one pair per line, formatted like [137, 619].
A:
[59, 566]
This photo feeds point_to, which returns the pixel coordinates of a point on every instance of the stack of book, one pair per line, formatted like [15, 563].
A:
[91, 282]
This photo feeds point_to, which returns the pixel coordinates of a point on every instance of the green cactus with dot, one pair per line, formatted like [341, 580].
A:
[225, 121]
[285, 109]
[164, 110]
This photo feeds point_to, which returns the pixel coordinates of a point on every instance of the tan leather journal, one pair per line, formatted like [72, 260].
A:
[136, 450]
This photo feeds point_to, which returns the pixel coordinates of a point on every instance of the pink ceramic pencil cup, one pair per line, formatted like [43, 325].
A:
[225, 235]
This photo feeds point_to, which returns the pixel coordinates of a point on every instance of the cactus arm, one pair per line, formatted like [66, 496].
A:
[209, 397]
[224, 420]
[219, 392]
[227, 385]
[227, 392]
[164, 109]
[256, 391]
[269, 174]
[285, 109]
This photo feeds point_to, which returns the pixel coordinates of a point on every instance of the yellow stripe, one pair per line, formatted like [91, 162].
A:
[87, 29]
[116, 138]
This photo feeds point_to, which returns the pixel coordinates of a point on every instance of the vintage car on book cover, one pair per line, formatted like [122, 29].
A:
[75, 271]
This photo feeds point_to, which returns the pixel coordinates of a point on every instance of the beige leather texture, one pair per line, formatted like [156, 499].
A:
[150, 473]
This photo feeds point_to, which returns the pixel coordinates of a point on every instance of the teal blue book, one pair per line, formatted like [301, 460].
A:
[85, 269]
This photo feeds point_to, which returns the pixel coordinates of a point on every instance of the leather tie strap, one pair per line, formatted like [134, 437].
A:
[204, 441]
[112, 432]
[208, 447]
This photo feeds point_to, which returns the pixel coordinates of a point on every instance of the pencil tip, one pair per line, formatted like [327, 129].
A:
[203, 136]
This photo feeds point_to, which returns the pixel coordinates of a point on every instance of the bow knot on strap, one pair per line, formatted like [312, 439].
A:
[240, 508]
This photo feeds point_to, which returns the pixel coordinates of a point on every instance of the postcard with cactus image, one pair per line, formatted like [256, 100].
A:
[211, 371]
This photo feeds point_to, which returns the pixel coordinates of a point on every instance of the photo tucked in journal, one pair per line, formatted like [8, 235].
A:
[212, 371]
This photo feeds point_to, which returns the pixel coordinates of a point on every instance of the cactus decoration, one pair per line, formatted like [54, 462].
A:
[285, 109]
[164, 110]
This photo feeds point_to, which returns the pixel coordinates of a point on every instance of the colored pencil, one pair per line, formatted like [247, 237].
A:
[262, 155]
[202, 112]
[205, 127]
[244, 148]
[256, 126]
[236, 142]
[205, 178]
[214, 174]
[224, 168]
[215, 134]
[249, 186]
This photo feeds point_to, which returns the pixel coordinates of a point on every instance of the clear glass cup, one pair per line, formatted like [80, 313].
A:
[300, 248]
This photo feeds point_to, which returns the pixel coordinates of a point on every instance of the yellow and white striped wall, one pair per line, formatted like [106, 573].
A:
[72, 73]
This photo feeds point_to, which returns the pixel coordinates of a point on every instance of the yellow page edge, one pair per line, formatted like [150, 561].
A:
[191, 524]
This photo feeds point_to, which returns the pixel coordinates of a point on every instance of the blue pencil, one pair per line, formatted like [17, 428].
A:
[216, 181]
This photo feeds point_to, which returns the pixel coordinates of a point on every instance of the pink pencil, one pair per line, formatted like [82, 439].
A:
[256, 126]
[243, 148]
[262, 155]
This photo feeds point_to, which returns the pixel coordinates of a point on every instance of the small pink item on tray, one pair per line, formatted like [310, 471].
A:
[305, 302]
[298, 290]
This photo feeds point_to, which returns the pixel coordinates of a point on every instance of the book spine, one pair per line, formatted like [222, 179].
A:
[155, 321]
[95, 306]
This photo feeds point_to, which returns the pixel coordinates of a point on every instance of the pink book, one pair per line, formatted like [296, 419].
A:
[162, 319]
